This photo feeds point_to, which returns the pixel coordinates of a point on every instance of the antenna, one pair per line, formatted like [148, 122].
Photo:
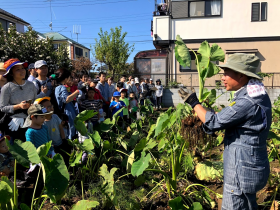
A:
[77, 29]
[50, 25]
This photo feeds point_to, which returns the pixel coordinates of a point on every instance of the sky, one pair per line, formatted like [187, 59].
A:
[133, 15]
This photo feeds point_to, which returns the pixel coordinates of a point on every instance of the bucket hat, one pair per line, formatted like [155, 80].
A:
[35, 109]
[244, 64]
[40, 63]
[117, 94]
[9, 64]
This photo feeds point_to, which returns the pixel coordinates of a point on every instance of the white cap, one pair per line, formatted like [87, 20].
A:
[136, 80]
[40, 63]
[151, 79]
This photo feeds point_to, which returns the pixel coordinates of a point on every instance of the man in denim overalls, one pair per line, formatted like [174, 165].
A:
[246, 122]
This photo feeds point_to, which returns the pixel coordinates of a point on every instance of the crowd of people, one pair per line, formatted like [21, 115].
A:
[39, 107]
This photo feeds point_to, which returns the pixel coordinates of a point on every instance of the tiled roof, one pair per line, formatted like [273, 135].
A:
[13, 16]
[59, 37]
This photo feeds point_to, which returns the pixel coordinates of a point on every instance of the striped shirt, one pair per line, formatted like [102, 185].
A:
[91, 105]
[38, 137]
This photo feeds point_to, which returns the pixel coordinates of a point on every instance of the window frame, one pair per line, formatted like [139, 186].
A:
[265, 11]
[204, 9]
[260, 11]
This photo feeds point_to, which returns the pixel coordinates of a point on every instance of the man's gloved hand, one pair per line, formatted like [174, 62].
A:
[16, 123]
[191, 99]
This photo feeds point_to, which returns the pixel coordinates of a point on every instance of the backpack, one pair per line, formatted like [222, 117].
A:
[52, 96]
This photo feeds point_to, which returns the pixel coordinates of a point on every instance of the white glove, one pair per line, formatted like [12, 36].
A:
[119, 104]
[16, 123]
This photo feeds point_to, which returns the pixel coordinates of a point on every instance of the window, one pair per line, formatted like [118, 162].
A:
[86, 54]
[264, 11]
[79, 51]
[259, 11]
[5, 24]
[55, 46]
[204, 8]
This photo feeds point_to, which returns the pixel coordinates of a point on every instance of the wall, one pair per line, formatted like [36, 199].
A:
[234, 22]
[161, 27]
[20, 27]
[171, 97]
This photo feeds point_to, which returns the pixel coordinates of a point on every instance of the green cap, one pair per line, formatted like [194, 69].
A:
[243, 63]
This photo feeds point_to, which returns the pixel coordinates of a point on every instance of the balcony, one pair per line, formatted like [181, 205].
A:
[162, 8]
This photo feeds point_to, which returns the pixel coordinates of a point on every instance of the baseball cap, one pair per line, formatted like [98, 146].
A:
[151, 79]
[39, 100]
[116, 94]
[31, 66]
[40, 63]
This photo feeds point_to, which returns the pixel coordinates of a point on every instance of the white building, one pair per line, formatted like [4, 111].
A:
[246, 26]
[6, 18]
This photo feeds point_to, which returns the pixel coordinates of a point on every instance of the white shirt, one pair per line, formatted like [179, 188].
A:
[31, 78]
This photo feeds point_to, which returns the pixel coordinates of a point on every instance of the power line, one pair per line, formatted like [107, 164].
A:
[77, 5]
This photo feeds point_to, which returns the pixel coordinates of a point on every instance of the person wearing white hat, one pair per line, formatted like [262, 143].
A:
[32, 72]
[42, 83]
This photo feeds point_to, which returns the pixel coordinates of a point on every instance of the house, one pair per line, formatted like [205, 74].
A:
[235, 25]
[7, 18]
[75, 49]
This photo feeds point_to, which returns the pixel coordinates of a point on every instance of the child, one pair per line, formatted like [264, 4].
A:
[55, 129]
[37, 133]
[133, 105]
[126, 101]
[159, 93]
[116, 105]
[42, 83]
[91, 104]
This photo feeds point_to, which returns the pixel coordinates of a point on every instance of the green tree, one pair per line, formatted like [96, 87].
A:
[29, 47]
[113, 50]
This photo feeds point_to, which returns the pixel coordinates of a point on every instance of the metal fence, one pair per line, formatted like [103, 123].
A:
[192, 80]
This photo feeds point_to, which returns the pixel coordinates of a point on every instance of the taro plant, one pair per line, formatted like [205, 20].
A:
[204, 58]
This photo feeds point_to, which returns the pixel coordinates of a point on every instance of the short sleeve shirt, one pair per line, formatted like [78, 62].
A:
[118, 107]
[53, 130]
[125, 110]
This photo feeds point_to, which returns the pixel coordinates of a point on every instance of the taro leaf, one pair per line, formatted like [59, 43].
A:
[272, 135]
[23, 206]
[204, 49]
[196, 206]
[162, 143]
[173, 119]
[141, 145]
[106, 125]
[176, 203]
[160, 124]
[205, 95]
[203, 67]
[108, 183]
[133, 139]
[182, 52]
[151, 131]
[44, 149]
[95, 137]
[87, 145]
[57, 177]
[25, 153]
[85, 115]
[140, 180]
[77, 158]
[189, 166]
[139, 166]
[219, 139]
[81, 127]
[209, 171]
[151, 144]
[116, 115]
[130, 161]
[213, 69]
[106, 145]
[207, 197]
[85, 205]
[217, 54]
[212, 97]
[6, 193]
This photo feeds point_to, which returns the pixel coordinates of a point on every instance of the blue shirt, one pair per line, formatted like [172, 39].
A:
[104, 90]
[118, 107]
[38, 137]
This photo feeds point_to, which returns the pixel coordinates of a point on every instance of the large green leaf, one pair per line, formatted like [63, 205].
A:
[108, 183]
[196, 206]
[85, 115]
[24, 207]
[162, 143]
[160, 124]
[81, 127]
[139, 166]
[151, 131]
[130, 161]
[141, 145]
[95, 137]
[57, 177]
[182, 53]
[25, 153]
[204, 49]
[217, 54]
[189, 166]
[116, 115]
[212, 96]
[85, 205]
[203, 67]
[176, 203]
[76, 158]
[44, 149]
[6, 193]
[151, 144]
[106, 125]
[209, 171]
[133, 139]
[213, 69]
[87, 145]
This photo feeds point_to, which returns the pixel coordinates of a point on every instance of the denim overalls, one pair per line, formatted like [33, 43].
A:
[246, 168]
